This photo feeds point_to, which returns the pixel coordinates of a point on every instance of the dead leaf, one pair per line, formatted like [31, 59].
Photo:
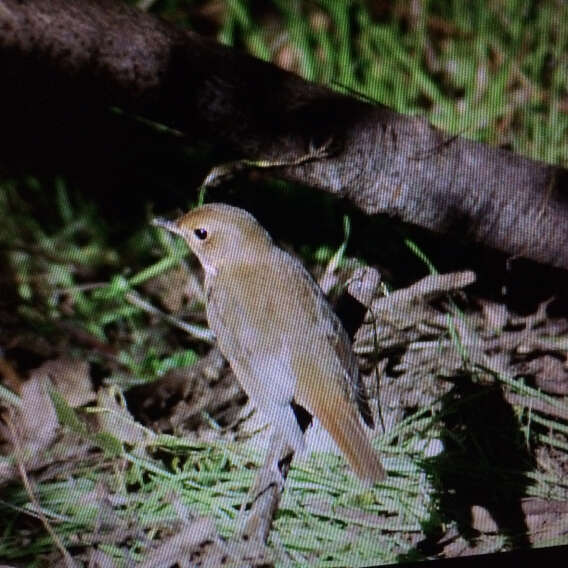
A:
[114, 418]
[35, 422]
[549, 373]
[72, 378]
[198, 544]
[363, 284]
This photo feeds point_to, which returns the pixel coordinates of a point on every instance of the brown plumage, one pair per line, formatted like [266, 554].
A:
[278, 332]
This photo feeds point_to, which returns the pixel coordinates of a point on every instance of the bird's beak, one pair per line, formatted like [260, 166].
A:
[171, 226]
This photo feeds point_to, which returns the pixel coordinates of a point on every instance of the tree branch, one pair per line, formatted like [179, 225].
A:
[383, 162]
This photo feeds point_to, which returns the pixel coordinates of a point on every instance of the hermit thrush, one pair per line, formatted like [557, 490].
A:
[274, 325]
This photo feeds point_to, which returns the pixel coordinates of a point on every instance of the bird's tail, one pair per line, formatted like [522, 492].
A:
[345, 428]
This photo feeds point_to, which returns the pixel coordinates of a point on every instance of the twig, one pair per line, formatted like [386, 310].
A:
[536, 404]
[194, 330]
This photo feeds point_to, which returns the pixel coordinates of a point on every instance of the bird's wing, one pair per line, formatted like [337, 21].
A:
[329, 385]
[328, 324]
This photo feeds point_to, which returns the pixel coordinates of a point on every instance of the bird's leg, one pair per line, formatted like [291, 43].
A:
[264, 495]
[274, 469]
[286, 439]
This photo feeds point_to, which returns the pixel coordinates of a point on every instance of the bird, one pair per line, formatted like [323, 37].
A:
[276, 328]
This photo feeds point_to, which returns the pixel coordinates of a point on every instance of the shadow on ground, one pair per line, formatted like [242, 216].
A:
[484, 463]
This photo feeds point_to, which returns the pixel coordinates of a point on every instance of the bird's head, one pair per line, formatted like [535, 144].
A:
[219, 234]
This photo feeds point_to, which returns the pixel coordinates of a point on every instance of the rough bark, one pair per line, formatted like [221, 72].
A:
[382, 161]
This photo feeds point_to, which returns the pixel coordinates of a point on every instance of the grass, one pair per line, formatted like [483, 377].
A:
[213, 480]
[493, 71]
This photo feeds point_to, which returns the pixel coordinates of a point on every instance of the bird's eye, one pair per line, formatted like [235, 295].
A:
[201, 234]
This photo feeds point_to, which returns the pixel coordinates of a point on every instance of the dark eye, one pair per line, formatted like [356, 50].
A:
[201, 234]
